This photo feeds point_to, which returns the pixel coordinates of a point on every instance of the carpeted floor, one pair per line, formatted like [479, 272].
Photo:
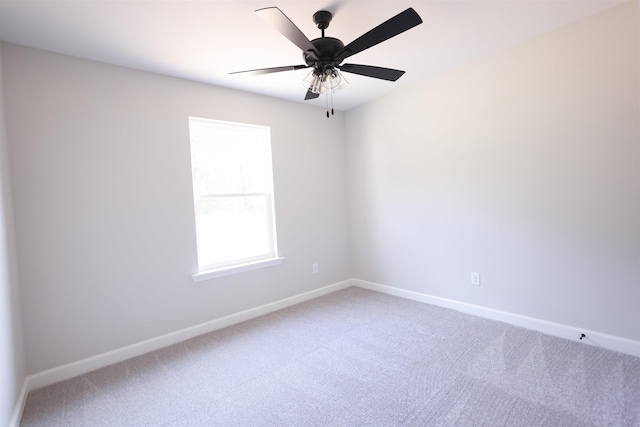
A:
[355, 358]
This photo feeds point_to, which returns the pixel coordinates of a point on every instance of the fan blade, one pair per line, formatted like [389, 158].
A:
[271, 70]
[278, 20]
[390, 28]
[375, 72]
[311, 95]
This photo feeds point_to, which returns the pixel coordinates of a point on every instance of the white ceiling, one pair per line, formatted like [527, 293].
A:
[205, 40]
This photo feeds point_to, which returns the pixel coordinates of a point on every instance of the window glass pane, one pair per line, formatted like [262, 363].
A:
[232, 229]
[229, 159]
[233, 195]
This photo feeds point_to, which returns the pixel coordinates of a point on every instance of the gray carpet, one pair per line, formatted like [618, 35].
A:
[355, 358]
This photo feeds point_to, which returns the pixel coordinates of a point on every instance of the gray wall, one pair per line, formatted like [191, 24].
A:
[12, 357]
[104, 211]
[524, 167]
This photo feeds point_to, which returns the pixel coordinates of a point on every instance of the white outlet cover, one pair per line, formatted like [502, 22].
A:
[475, 279]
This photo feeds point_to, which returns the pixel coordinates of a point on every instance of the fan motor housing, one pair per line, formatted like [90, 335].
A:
[328, 48]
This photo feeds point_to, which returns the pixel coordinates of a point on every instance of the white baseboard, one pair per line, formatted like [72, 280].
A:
[19, 408]
[598, 339]
[83, 366]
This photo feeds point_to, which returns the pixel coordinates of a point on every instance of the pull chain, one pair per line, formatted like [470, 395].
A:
[332, 103]
[329, 92]
[326, 97]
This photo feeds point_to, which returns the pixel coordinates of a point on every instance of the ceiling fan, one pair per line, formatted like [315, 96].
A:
[324, 55]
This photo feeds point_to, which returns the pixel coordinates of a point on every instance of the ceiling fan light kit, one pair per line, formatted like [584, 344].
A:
[331, 80]
[325, 55]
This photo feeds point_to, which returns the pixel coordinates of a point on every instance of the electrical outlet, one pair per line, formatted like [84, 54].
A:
[475, 279]
[315, 267]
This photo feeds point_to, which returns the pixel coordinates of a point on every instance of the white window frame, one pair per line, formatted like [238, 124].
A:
[206, 272]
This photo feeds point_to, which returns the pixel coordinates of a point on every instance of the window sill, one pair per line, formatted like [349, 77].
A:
[212, 274]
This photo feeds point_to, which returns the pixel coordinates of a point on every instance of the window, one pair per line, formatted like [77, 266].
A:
[233, 197]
